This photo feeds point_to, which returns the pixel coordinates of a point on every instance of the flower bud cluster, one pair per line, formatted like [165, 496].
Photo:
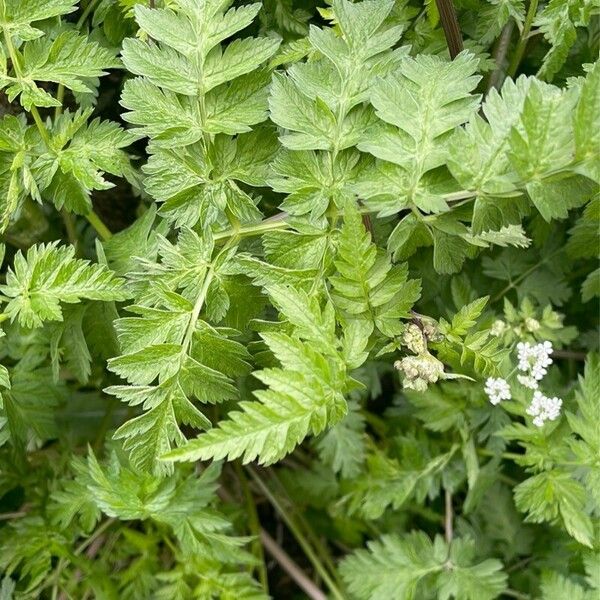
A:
[419, 371]
[414, 339]
[498, 328]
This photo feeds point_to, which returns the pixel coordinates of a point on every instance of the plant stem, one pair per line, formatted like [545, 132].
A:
[522, 276]
[320, 548]
[570, 355]
[499, 73]
[254, 526]
[67, 218]
[450, 26]
[291, 568]
[306, 547]
[272, 223]
[506, 455]
[96, 222]
[14, 58]
[516, 594]
[523, 39]
[449, 518]
[101, 529]
[12, 515]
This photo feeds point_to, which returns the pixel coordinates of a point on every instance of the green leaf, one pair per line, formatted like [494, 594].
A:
[464, 320]
[417, 136]
[304, 396]
[18, 15]
[343, 446]
[587, 139]
[584, 235]
[366, 283]
[312, 182]
[558, 21]
[591, 286]
[390, 483]
[50, 274]
[194, 184]
[553, 495]
[312, 122]
[69, 59]
[478, 156]
[556, 587]
[410, 566]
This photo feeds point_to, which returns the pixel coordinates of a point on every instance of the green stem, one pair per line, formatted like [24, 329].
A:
[96, 222]
[187, 340]
[62, 563]
[86, 13]
[523, 39]
[522, 276]
[306, 547]
[67, 218]
[101, 529]
[516, 594]
[448, 517]
[273, 223]
[14, 58]
[505, 455]
[254, 526]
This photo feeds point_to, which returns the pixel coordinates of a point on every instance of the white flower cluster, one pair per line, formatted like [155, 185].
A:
[533, 361]
[497, 390]
[544, 409]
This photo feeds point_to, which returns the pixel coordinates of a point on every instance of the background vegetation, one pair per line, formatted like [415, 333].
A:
[299, 299]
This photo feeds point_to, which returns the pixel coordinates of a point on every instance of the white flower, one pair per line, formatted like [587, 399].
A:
[532, 324]
[534, 359]
[528, 381]
[498, 328]
[543, 408]
[497, 390]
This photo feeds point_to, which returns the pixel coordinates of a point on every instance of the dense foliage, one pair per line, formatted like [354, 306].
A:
[296, 305]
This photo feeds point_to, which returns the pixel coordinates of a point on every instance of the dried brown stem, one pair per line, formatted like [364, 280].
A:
[290, 567]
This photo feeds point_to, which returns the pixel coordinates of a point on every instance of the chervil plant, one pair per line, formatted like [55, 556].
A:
[299, 299]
